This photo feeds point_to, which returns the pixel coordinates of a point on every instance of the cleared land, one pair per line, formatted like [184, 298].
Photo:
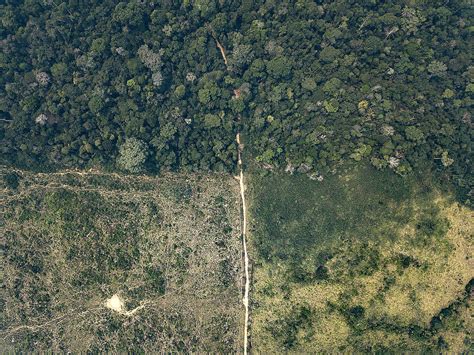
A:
[104, 262]
[362, 261]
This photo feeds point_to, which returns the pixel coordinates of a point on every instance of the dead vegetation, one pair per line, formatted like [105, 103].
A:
[168, 248]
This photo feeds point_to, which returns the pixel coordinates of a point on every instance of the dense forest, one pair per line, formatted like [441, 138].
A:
[141, 85]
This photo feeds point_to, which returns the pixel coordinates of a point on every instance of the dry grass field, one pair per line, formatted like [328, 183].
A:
[362, 262]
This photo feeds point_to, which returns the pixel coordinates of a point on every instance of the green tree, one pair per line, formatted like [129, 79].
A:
[279, 67]
[329, 54]
[211, 121]
[59, 70]
[132, 155]
[96, 104]
[180, 91]
[414, 133]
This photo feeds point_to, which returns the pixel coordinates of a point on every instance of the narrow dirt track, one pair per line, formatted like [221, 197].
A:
[244, 209]
[244, 243]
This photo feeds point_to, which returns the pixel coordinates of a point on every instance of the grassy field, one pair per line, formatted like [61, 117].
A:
[362, 261]
[164, 253]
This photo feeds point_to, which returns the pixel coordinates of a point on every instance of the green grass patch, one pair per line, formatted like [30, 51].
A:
[299, 213]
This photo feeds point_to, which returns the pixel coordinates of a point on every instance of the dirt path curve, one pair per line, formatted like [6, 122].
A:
[244, 243]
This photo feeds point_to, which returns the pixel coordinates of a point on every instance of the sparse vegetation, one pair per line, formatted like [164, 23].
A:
[169, 247]
[363, 261]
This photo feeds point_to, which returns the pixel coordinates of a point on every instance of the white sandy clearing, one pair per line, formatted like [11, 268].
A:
[115, 304]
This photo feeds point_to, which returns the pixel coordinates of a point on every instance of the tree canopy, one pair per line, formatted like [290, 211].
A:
[315, 83]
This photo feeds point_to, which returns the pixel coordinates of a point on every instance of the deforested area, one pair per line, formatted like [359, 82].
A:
[96, 262]
[362, 262]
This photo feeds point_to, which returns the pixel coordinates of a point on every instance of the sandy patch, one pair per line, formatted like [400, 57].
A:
[115, 303]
